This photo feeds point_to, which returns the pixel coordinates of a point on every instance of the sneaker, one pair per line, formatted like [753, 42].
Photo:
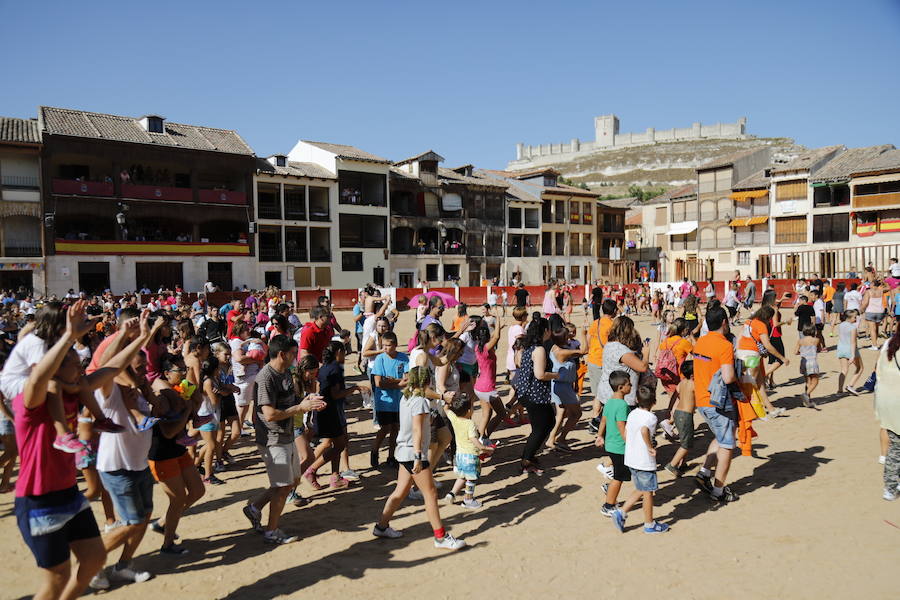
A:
[594, 425]
[415, 494]
[607, 510]
[350, 475]
[450, 498]
[174, 549]
[99, 581]
[880, 460]
[704, 482]
[673, 470]
[69, 443]
[851, 390]
[106, 425]
[248, 424]
[669, 430]
[726, 496]
[110, 526]
[218, 467]
[890, 495]
[277, 536]
[186, 440]
[227, 458]
[657, 527]
[157, 528]
[777, 412]
[254, 515]
[337, 482]
[471, 503]
[388, 532]
[147, 423]
[806, 401]
[618, 519]
[876, 348]
[213, 480]
[606, 471]
[448, 542]
[129, 574]
[297, 500]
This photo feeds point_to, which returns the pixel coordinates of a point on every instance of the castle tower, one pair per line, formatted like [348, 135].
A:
[605, 129]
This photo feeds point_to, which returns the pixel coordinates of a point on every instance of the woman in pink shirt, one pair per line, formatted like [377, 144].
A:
[486, 382]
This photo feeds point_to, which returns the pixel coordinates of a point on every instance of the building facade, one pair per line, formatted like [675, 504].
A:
[21, 219]
[134, 203]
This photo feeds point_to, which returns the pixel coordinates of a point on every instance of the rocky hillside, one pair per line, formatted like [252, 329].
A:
[666, 164]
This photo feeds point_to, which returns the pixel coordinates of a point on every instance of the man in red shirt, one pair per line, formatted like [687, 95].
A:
[315, 335]
[714, 353]
[233, 316]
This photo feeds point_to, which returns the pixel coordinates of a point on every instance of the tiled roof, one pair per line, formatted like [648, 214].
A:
[449, 176]
[755, 181]
[518, 194]
[619, 202]
[349, 152]
[533, 172]
[728, 159]
[569, 189]
[887, 162]
[849, 162]
[79, 123]
[679, 192]
[427, 155]
[295, 169]
[23, 131]
[634, 217]
[807, 160]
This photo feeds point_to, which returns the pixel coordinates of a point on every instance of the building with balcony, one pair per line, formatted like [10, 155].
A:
[21, 235]
[523, 236]
[295, 204]
[715, 180]
[144, 202]
[750, 222]
[359, 241]
[447, 225]
[610, 242]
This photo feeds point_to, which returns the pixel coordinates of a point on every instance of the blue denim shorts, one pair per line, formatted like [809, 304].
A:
[131, 492]
[721, 424]
[467, 466]
[644, 481]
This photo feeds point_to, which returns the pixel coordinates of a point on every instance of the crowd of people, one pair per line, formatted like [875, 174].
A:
[126, 394]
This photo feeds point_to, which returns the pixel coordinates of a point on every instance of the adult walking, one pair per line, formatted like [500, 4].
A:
[624, 352]
[873, 307]
[532, 384]
[887, 411]
[549, 305]
[754, 338]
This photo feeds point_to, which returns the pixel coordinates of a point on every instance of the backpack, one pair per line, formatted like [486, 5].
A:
[667, 366]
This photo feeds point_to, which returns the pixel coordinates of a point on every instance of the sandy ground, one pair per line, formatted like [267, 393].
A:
[810, 524]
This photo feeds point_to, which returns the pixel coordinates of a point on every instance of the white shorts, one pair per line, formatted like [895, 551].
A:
[485, 396]
[247, 387]
[282, 464]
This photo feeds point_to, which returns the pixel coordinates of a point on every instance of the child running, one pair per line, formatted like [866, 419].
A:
[848, 352]
[611, 435]
[467, 461]
[683, 417]
[640, 457]
[808, 347]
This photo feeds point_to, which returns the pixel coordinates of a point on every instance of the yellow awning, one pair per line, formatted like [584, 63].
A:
[738, 222]
[746, 196]
[757, 220]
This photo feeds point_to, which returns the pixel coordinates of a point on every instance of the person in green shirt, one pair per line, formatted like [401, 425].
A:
[611, 435]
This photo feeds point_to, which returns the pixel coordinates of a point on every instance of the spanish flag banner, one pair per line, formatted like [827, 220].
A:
[866, 229]
[889, 225]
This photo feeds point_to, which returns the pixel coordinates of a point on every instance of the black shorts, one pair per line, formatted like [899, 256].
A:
[52, 549]
[620, 471]
[229, 410]
[778, 344]
[732, 310]
[408, 465]
[387, 417]
[828, 306]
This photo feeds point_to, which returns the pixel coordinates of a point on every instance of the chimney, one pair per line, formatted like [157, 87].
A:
[279, 160]
[153, 123]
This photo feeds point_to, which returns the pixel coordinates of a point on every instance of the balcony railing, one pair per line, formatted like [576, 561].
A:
[269, 254]
[319, 256]
[156, 192]
[222, 197]
[71, 187]
[122, 247]
[297, 254]
[871, 200]
[21, 251]
[20, 181]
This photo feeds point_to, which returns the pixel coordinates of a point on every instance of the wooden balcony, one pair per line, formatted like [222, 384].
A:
[877, 200]
[120, 247]
[222, 197]
[71, 187]
[156, 192]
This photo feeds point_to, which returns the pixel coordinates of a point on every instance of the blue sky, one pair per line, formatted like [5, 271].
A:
[467, 79]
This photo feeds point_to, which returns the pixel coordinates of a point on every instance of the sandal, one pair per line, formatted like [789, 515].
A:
[310, 476]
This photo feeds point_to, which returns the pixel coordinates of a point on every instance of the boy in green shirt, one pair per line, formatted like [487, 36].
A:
[611, 434]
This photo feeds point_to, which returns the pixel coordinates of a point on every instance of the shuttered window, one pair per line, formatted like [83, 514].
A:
[790, 230]
[723, 180]
[724, 237]
[661, 216]
[707, 182]
[791, 190]
[707, 239]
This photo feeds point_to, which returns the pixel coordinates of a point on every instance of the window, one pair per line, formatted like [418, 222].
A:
[790, 230]
[587, 213]
[219, 273]
[678, 212]
[402, 240]
[323, 277]
[559, 211]
[790, 190]
[574, 244]
[155, 125]
[302, 276]
[318, 204]
[559, 241]
[451, 272]
[560, 272]
[493, 244]
[707, 239]
[431, 272]
[530, 242]
[586, 244]
[546, 243]
[724, 208]
[295, 202]
[493, 207]
[273, 278]
[403, 202]
[885, 187]
[831, 228]
[707, 182]
[547, 211]
[724, 237]
[575, 212]
[574, 272]
[268, 196]
[280, 160]
[351, 261]
[363, 231]
[661, 216]
[366, 189]
[531, 218]
[159, 274]
[320, 244]
[515, 217]
[269, 239]
[708, 210]
[295, 244]
[831, 195]
[514, 246]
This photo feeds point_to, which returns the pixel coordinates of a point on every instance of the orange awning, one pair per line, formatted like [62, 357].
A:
[748, 195]
[757, 220]
[738, 222]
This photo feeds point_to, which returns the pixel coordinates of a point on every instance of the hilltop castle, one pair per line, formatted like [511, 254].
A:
[607, 137]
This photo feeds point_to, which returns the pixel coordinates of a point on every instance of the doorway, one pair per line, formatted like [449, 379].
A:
[155, 275]
[273, 278]
[378, 276]
[13, 280]
[405, 279]
[93, 277]
[220, 274]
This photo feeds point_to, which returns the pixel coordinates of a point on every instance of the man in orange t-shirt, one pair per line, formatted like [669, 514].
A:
[714, 353]
[598, 334]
